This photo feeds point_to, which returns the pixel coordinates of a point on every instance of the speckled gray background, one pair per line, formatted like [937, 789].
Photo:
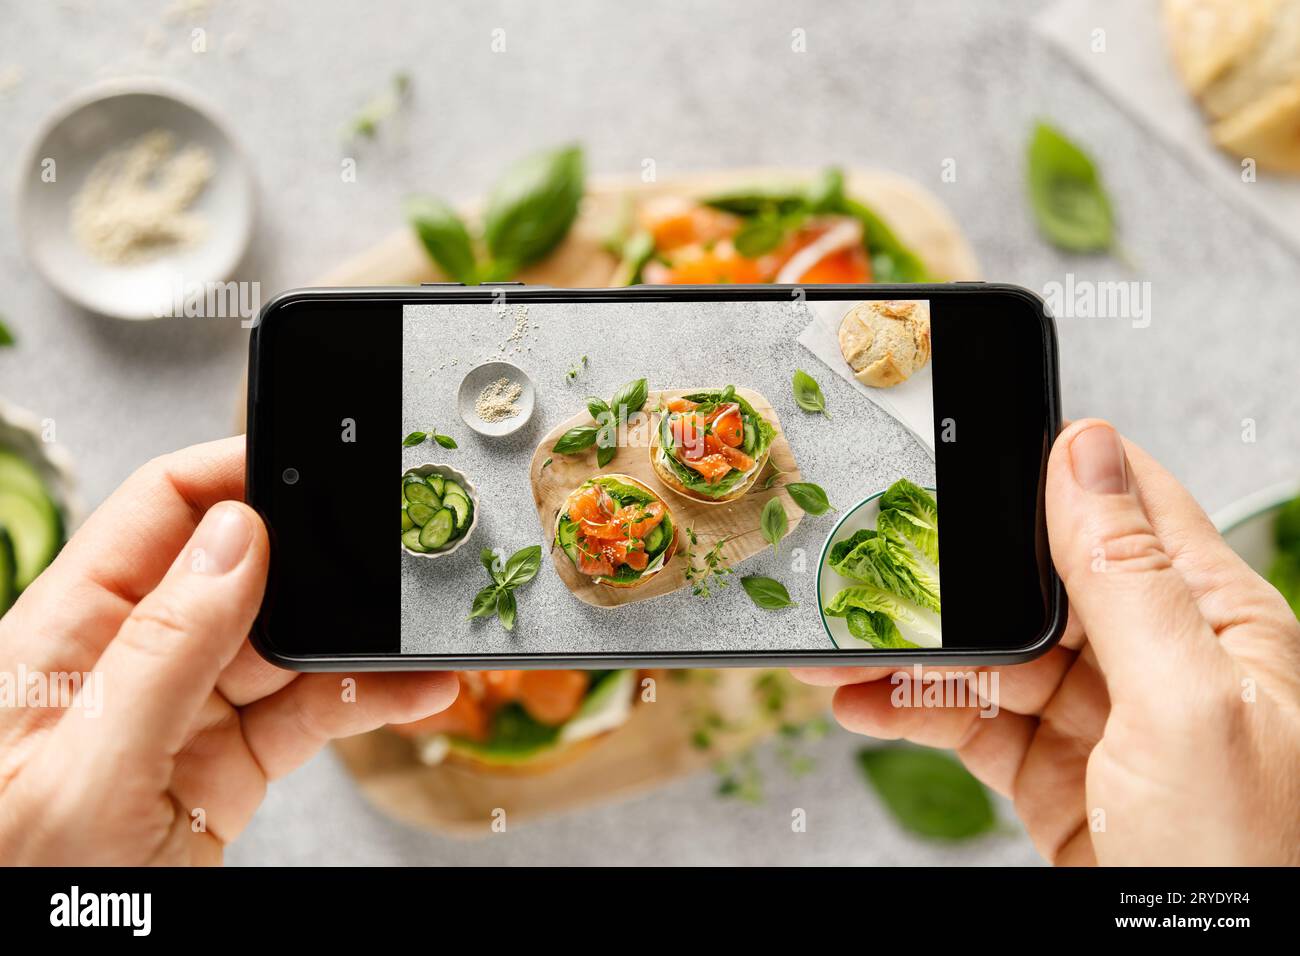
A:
[857, 452]
[903, 85]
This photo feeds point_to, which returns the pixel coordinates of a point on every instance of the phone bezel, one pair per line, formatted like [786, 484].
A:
[400, 296]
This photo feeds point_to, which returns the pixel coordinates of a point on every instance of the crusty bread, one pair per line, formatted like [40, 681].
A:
[635, 483]
[665, 474]
[886, 341]
[1241, 59]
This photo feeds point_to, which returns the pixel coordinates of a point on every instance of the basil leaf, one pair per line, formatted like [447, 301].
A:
[443, 236]
[531, 208]
[760, 235]
[485, 602]
[808, 394]
[605, 454]
[630, 398]
[413, 439]
[577, 439]
[1069, 202]
[506, 608]
[597, 408]
[826, 194]
[811, 498]
[767, 593]
[928, 792]
[773, 523]
[446, 441]
[489, 560]
[771, 480]
[522, 566]
[6, 337]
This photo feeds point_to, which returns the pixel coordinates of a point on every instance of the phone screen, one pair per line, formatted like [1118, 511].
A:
[676, 478]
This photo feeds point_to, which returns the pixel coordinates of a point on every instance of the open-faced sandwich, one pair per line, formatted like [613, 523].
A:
[792, 235]
[616, 531]
[710, 445]
[524, 720]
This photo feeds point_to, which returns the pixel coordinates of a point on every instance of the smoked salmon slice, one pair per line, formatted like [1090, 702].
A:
[552, 697]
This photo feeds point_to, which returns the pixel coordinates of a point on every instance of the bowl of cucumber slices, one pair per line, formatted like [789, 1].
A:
[439, 510]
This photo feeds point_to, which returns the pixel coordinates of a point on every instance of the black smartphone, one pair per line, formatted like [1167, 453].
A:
[654, 476]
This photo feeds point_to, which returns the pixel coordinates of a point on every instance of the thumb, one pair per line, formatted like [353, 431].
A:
[165, 660]
[1139, 615]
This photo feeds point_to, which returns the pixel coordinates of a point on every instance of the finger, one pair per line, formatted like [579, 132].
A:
[250, 677]
[68, 615]
[1253, 621]
[287, 728]
[990, 747]
[1138, 613]
[839, 676]
[215, 778]
[166, 658]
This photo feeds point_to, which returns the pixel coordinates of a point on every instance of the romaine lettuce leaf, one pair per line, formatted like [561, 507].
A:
[909, 511]
[889, 565]
[915, 625]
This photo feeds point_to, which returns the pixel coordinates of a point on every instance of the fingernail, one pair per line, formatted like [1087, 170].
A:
[1097, 456]
[220, 541]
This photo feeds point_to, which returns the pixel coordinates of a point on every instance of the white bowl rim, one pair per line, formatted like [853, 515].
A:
[111, 89]
[826, 547]
[463, 481]
[1255, 504]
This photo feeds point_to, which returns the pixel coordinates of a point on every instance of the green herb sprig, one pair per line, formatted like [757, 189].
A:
[609, 416]
[498, 598]
[712, 572]
[529, 212]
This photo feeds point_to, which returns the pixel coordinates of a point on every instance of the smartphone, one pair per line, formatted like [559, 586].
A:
[654, 476]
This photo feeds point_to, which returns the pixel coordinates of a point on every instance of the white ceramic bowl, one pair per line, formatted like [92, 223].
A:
[458, 476]
[84, 129]
[1247, 524]
[830, 582]
[479, 378]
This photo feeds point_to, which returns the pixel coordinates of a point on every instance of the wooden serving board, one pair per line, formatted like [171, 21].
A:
[737, 521]
[652, 748]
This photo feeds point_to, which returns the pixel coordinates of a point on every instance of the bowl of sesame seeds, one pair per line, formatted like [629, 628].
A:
[496, 398]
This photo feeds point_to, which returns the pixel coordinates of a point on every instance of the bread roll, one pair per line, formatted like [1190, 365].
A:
[887, 341]
[1241, 59]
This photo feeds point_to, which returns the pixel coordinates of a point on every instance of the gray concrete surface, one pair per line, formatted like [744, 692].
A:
[901, 85]
[859, 451]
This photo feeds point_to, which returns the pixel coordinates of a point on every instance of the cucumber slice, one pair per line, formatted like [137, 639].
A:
[462, 509]
[8, 572]
[654, 539]
[451, 488]
[17, 474]
[437, 532]
[407, 523]
[35, 531]
[566, 535]
[418, 490]
[420, 513]
[437, 483]
[412, 540]
[751, 438]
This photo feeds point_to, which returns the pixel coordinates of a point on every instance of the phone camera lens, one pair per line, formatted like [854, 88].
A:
[290, 476]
